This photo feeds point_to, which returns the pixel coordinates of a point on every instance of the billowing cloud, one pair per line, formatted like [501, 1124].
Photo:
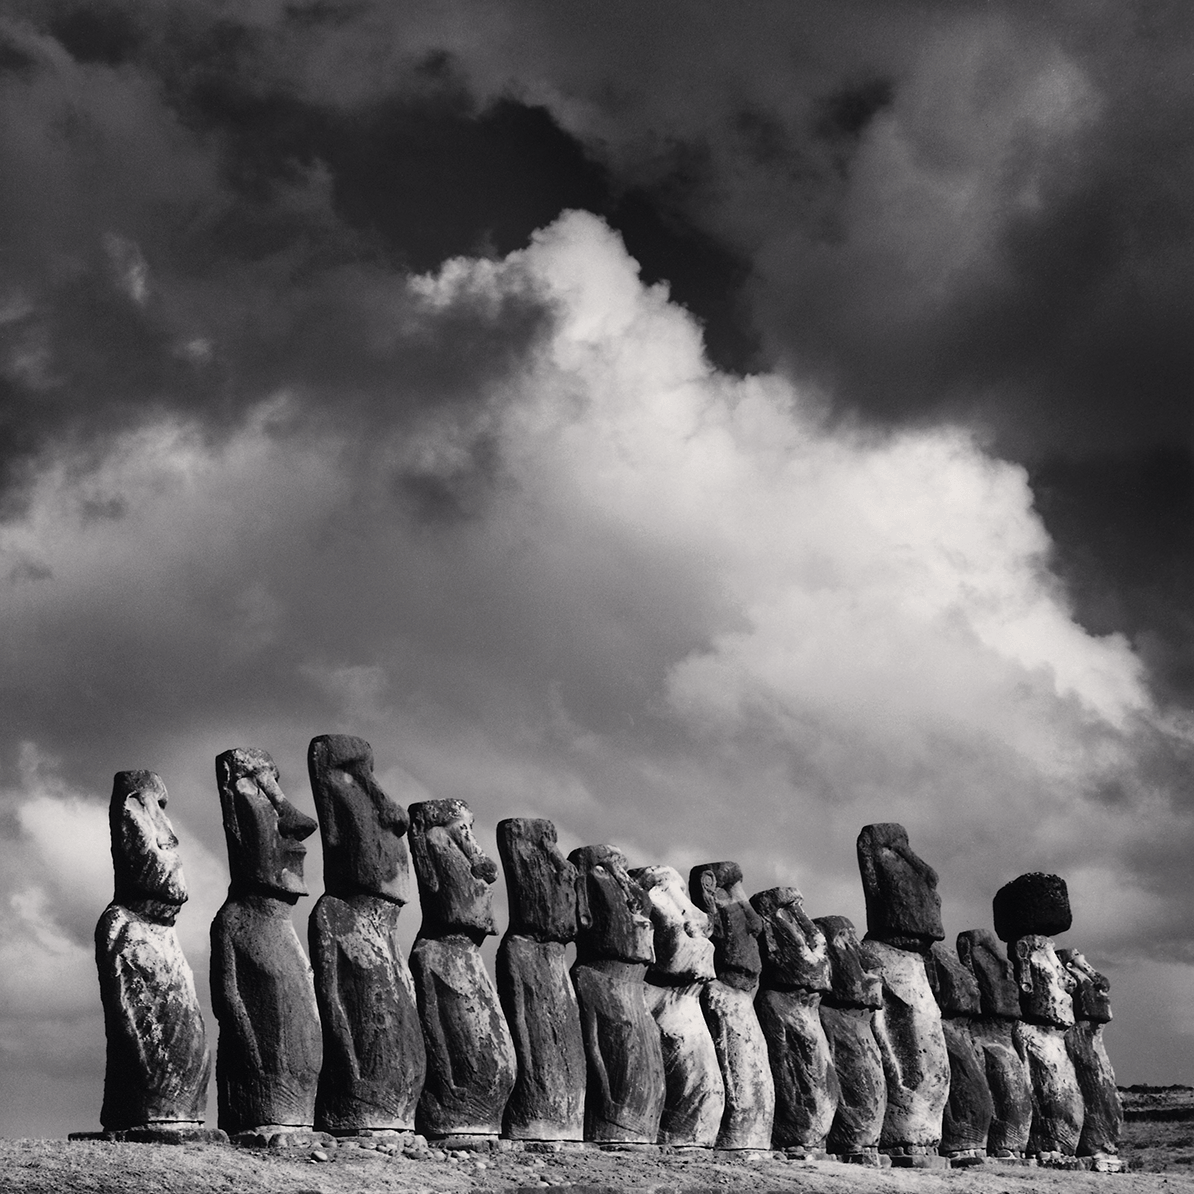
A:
[660, 604]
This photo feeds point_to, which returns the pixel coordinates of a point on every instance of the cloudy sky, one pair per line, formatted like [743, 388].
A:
[711, 427]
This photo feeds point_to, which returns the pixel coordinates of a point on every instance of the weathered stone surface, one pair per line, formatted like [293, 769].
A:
[157, 1060]
[548, 1101]
[534, 985]
[795, 975]
[1046, 986]
[374, 1062]
[695, 1098]
[1046, 1004]
[741, 1049]
[1102, 1112]
[1032, 905]
[902, 904]
[847, 1015]
[1057, 1109]
[625, 1087]
[543, 888]
[970, 1108]
[470, 1053]
[1007, 1073]
[979, 950]
[270, 1047]
[728, 1004]
[912, 1044]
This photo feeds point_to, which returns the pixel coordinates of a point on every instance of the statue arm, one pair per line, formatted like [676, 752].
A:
[325, 961]
[226, 1001]
[123, 987]
[592, 1040]
[439, 1054]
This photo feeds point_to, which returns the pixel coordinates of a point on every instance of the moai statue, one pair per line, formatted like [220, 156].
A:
[157, 1064]
[848, 1015]
[1007, 1073]
[373, 1057]
[795, 976]
[729, 1006]
[970, 1108]
[470, 1054]
[683, 966]
[1103, 1116]
[270, 1047]
[625, 1087]
[546, 908]
[903, 912]
[1028, 912]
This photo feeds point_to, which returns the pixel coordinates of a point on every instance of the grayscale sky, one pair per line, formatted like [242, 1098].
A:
[714, 427]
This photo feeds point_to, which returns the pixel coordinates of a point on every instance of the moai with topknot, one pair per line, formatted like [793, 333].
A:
[155, 1077]
[903, 912]
[625, 1087]
[1029, 911]
[1103, 1114]
[848, 1014]
[795, 976]
[970, 1108]
[547, 906]
[470, 1054]
[270, 1047]
[993, 1031]
[695, 1093]
[728, 1004]
[374, 1061]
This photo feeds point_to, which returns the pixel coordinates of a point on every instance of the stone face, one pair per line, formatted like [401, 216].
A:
[847, 1015]
[912, 1044]
[728, 1004]
[270, 1047]
[695, 1093]
[1046, 986]
[979, 950]
[902, 904]
[1032, 905]
[157, 1060]
[374, 1062]
[795, 975]
[534, 985]
[470, 1053]
[1102, 1112]
[625, 1086]
[1006, 1070]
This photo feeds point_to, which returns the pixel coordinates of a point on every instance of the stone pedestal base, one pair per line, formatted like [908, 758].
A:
[918, 1161]
[871, 1157]
[276, 1136]
[157, 1134]
[472, 1142]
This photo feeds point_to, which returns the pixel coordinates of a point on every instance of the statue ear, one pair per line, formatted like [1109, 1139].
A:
[425, 865]
[768, 936]
[963, 946]
[1023, 967]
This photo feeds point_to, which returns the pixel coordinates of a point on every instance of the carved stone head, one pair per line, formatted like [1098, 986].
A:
[902, 904]
[547, 901]
[954, 986]
[683, 945]
[265, 832]
[619, 928]
[364, 851]
[1046, 986]
[850, 983]
[998, 994]
[795, 954]
[144, 848]
[455, 876]
[716, 888]
[1092, 994]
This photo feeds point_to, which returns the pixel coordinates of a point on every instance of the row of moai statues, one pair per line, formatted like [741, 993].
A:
[691, 1016]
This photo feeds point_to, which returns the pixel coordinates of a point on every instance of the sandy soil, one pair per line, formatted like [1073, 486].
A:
[1162, 1156]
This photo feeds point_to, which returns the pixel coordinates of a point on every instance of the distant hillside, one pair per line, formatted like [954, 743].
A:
[1158, 1102]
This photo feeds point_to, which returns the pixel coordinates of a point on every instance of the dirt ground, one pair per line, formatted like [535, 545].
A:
[1161, 1156]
